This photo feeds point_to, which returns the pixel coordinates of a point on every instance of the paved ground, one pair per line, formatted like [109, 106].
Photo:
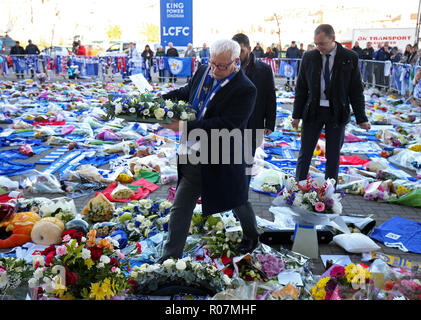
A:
[352, 204]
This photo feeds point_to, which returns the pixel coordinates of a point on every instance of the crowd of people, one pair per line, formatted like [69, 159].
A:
[374, 60]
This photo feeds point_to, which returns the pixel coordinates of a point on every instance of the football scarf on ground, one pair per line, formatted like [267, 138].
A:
[53, 156]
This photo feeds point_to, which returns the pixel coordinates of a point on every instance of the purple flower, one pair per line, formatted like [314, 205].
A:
[291, 199]
[368, 196]
[329, 202]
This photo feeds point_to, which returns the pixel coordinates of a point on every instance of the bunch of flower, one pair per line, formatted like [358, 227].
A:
[312, 196]
[401, 190]
[248, 272]
[13, 273]
[148, 106]
[182, 272]
[81, 268]
[384, 175]
[408, 286]
[270, 188]
[269, 264]
[218, 241]
[141, 218]
[339, 282]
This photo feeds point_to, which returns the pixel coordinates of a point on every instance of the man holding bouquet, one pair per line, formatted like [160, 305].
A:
[224, 99]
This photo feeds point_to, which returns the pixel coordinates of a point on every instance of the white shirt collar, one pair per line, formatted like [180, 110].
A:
[333, 52]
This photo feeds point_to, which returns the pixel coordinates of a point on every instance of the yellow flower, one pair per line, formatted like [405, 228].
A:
[416, 147]
[322, 282]
[59, 289]
[96, 291]
[89, 263]
[101, 291]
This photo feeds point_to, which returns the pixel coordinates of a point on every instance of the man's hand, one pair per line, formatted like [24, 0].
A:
[175, 125]
[295, 123]
[365, 125]
[268, 132]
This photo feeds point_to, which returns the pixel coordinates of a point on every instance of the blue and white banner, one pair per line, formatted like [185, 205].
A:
[176, 22]
[288, 70]
[181, 67]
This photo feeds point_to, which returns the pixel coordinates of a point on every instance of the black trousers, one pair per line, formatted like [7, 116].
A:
[310, 133]
[186, 196]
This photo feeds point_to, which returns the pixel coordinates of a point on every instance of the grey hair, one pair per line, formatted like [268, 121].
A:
[226, 45]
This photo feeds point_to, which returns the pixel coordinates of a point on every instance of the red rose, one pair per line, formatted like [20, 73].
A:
[70, 232]
[74, 234]
[71, 278]
[96, 252]
[249, 277]
[229, 272]
[133, 284]
[225, 259]
[50, 249]
[139, 247]
[49, 258]
[113, 262]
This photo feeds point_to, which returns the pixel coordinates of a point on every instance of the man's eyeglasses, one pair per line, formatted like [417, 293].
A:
[321, 44]
[220, 66]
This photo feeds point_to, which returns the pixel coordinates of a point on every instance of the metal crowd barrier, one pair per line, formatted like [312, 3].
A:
[380, 74]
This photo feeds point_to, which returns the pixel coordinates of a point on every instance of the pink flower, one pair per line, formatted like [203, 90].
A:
[62, 250]
[67, 238]
[121, 255]
[320, 206]
[113, 269]
[337, 272]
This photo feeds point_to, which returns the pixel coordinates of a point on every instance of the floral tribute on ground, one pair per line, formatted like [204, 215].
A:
[87, 268]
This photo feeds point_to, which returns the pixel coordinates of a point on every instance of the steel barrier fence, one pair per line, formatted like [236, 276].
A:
[380, 74]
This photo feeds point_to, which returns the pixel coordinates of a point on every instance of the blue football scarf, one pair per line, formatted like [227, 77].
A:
[53, 156]
[11, 168]
[56, 165]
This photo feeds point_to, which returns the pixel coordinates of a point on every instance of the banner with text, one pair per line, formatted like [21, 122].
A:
[176, 22]
[397, 37]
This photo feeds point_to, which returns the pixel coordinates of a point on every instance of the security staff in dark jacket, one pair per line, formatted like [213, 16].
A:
[31, 49]
[329, 80]
[225, 99]
[17, 49]
[383, 54]
[367, 56]
[293, 53]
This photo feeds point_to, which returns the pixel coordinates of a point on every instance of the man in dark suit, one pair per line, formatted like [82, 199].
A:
[263, 118]
[329, 80]
[224, 98]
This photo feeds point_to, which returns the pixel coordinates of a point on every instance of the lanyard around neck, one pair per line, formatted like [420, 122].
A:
[220, 84]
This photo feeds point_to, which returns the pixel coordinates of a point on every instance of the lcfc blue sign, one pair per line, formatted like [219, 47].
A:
[176, 22]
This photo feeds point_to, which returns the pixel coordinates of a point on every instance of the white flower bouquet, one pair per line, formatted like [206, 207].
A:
[143, 218]
[148, 107]
[217, 236]
[313, 201]
[14, 276]
[179, 272]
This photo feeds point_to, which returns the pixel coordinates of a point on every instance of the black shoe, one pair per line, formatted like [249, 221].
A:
[247, 246]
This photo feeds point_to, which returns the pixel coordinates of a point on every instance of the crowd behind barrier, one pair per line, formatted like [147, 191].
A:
[381, 74]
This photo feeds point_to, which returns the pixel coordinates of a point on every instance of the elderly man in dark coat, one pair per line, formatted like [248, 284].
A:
[224, 99]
